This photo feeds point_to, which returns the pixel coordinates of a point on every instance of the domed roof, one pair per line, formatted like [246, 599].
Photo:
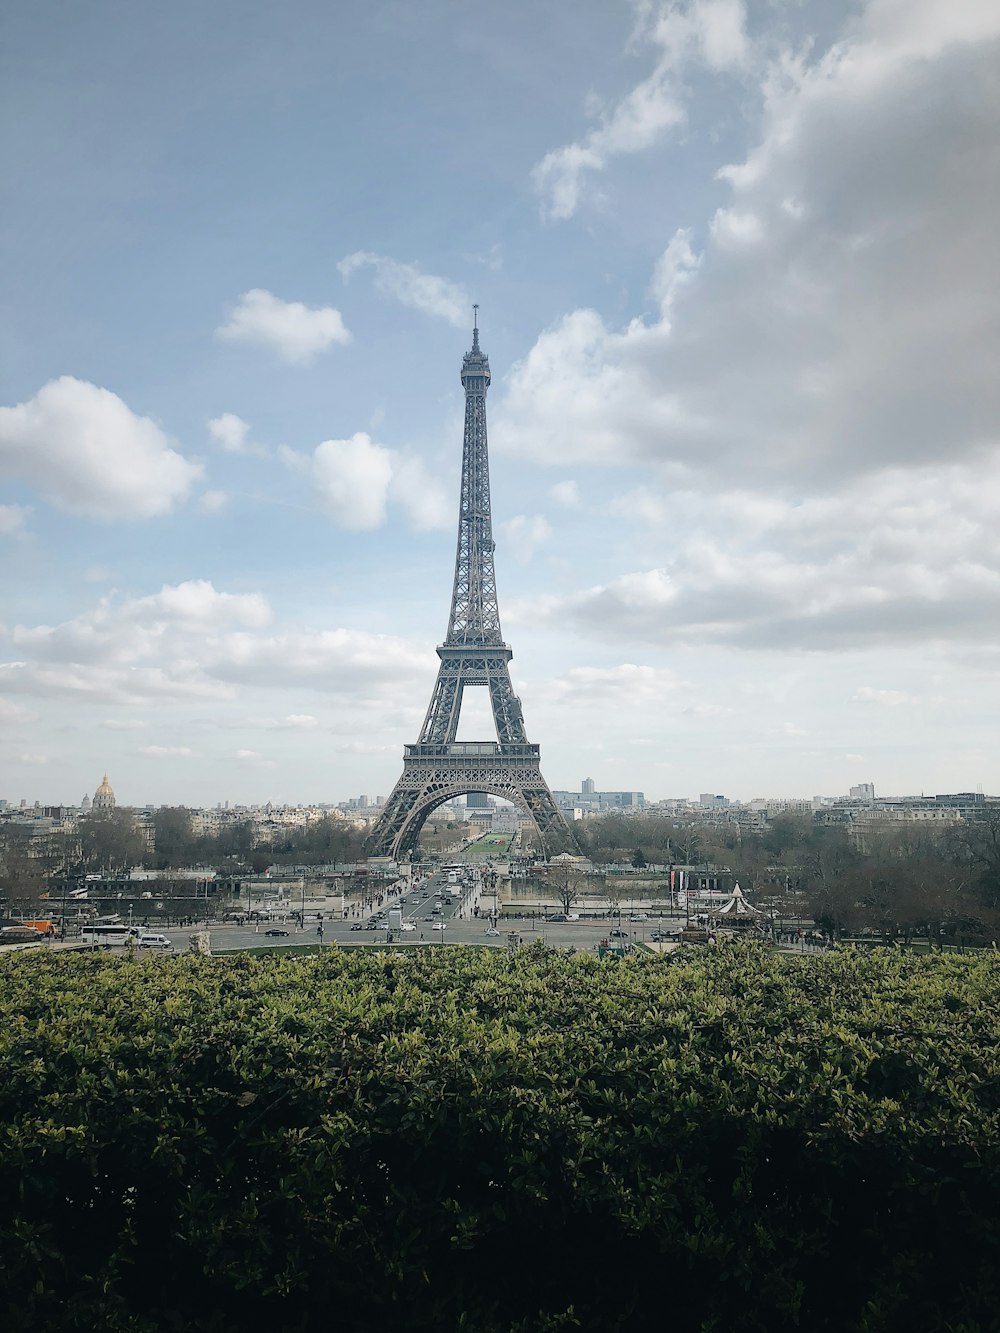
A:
[104, 797]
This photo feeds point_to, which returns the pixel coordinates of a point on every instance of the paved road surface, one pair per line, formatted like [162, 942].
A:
[418, 910]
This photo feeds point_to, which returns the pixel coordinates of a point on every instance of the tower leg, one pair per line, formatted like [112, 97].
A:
[429, 782]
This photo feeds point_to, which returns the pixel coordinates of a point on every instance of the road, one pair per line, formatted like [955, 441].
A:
[420, 908]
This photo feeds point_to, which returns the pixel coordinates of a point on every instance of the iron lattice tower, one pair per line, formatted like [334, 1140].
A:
[440, 767]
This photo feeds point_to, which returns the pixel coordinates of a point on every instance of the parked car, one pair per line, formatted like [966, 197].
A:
[273, 931]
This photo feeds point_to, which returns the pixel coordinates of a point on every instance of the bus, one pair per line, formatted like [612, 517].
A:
[109, 935]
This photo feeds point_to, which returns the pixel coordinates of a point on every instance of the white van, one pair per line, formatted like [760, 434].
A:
[154, 942]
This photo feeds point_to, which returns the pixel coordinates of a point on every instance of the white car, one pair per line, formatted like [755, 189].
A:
[490, 931]
[439, 925]
[407, 925]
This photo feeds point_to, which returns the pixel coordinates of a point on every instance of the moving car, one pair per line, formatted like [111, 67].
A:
[273, 931]
[618, 934]
[154, 942]
[557, 916]
[490, 931]
[407, 925]
[357, 926]
[439, 925]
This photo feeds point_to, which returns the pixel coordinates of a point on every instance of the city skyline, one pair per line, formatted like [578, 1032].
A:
[737, 280]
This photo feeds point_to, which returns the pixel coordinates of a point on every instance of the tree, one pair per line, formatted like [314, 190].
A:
[566, 883]
[175, 844]
[111, 842]
[638, 859]
[23, 876]
[976, 844]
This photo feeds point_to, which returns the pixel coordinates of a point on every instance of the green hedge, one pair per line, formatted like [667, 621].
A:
[461, 1139]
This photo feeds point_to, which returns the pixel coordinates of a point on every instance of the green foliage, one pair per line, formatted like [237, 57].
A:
[455, 1138]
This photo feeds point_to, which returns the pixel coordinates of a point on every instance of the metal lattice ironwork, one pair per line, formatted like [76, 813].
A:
[473, 654]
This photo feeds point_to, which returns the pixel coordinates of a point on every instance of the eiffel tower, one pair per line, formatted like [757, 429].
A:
[440, 767]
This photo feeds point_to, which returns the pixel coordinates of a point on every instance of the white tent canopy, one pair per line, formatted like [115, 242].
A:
[737, 905]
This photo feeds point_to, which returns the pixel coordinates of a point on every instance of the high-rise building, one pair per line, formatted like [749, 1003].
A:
[587, 787]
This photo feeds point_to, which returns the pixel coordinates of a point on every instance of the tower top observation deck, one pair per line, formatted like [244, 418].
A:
[475, 364]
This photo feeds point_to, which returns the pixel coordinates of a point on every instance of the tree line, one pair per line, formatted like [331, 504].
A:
[113, 842]
[942, 884]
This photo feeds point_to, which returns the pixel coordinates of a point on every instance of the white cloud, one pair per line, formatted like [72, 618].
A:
[254, 759]
[356, 479]
[524, 534]
[865, 694]
[409, 285]
[292, 722]
[710, 33]
[189, 642]
[229, 432]
[843, 314]
[902, 555]
[421, 494]
[621, 686]
[12, 712]
[167, 751]
[86, 452]
[124, 724]
[340, 662]
[102, 684]
[13, 519]
[33, 760]
[352, 480]
[213, 502]
[817, 400]
[297, 332]
[566, 493]
[640, 503]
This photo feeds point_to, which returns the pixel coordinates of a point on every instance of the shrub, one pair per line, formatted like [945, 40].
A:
[456, 1138]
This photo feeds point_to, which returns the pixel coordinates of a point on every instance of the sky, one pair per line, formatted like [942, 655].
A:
[738, 275]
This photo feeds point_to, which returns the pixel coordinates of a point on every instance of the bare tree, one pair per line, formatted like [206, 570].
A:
[566, 883]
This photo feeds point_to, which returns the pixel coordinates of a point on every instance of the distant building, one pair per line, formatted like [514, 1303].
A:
[864, 791]
[477, 800]
[709, 802]
[597, 802]
[587, 787]
[104, 797]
